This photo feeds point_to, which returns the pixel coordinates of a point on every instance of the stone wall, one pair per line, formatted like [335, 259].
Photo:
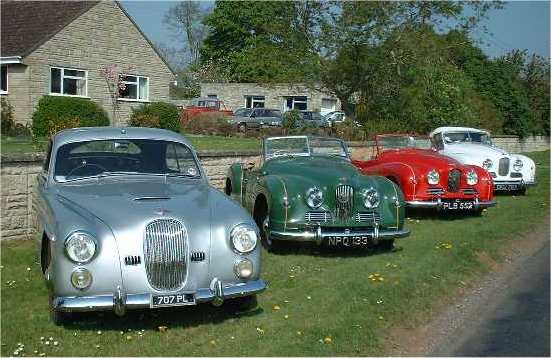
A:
[234, 94]
[100, 37]
[18, 176]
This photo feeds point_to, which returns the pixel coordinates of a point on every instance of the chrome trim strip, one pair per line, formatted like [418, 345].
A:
[437, 204]
[143, 300]
[319, 235]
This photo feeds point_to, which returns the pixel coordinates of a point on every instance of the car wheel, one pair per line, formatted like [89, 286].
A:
[386, 245]
[242, 127]
[58, 318]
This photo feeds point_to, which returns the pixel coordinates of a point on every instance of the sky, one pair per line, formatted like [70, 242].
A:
[519, 25]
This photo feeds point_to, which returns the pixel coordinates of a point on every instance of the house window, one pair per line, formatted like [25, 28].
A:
[135, 88]
[4, 80]
[300, 103]
[68, 81]
[254, 101]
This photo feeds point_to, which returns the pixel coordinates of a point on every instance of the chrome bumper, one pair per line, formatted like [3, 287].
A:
[119, 302]
[319, 235]
[438, 204]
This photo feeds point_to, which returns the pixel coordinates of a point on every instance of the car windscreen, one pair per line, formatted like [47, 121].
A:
[467, 137]
[402, 141]
[124, 156]
[303, 146]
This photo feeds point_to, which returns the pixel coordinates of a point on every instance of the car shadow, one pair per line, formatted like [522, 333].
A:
[419, 214]
[312, 249]
[150, 320]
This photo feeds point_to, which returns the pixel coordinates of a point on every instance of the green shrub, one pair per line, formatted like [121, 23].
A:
[145, 120]
[168, 114]
[8, 124]
[54, 112]
[291, 119]
[209, 124]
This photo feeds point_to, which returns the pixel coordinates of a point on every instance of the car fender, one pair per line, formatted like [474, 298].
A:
[234, 181]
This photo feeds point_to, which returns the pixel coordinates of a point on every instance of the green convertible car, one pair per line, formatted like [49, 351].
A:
[307, 189]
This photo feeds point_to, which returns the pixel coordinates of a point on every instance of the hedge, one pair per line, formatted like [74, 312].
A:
[168, 115]
[56, 112]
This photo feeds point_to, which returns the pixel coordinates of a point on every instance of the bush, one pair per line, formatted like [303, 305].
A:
[8, 124]
[168, 114]
[145, 120]
[209, 124]
[291, 119]
[54, 112]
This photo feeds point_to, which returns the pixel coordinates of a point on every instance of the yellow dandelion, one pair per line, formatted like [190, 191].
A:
[327, 340]
[299, 333]
[162, 328]
[276, 308]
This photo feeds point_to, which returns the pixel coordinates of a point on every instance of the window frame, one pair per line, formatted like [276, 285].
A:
[7, 80]
[294, 101]
[137, 83]
[62, 74]
[255, 99]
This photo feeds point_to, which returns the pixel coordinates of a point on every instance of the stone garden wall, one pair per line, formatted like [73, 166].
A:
[18, 177]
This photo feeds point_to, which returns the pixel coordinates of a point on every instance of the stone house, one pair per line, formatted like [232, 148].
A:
[282, 96]
[58, 48]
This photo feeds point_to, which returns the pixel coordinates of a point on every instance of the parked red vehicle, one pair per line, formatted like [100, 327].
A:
[204, 105]
[429, 179]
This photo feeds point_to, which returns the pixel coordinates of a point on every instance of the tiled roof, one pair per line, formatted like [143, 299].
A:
[28, 24]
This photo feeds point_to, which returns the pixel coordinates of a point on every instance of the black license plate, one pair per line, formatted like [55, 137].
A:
[180, 299]
[507, 187]
[458, 205]
[348, 241]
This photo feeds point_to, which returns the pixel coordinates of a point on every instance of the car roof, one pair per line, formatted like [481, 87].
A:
[84, 134]
[456, 129]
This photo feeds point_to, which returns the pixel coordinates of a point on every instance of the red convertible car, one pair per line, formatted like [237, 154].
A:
[428, 179]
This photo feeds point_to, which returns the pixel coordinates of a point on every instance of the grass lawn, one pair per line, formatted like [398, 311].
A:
[318, 303]
[200, 142]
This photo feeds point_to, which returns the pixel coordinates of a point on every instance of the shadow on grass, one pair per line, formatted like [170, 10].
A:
[149, 319]
[312, 249]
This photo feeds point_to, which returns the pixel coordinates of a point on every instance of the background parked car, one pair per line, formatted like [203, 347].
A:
[128, 220]
[204, 105]
[313, 119]
[252, 118]
[510, 172]
[335, 117]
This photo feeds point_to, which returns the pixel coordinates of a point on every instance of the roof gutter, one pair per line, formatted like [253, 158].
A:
[10, 60]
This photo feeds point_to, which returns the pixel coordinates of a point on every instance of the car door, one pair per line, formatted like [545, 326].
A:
[255, 118]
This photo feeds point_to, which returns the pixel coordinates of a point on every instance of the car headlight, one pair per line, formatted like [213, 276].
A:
[244, 268]
[243, 238]
[81, 278]
[472, 177]
[371, 198]
[433, 177]
[487, 164]
[517, 165]
[314, 197]
[80, 247]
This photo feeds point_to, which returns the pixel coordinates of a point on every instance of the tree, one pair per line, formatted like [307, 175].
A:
[186, 18]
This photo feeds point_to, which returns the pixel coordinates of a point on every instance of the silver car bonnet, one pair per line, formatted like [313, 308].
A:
[126, 206]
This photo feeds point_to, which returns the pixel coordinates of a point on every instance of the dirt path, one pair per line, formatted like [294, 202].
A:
[492, 317]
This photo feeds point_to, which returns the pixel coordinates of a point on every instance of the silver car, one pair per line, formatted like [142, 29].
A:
[128, 220]
[253, 118]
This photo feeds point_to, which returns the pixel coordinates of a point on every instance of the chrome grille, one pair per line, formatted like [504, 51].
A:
[132, 260]
[165, 248]
[368, 218]
[454, 178]
[197, 256]
[469, 191]
[503, 168]
[318, 216]
[344, 201]
[435, 191]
